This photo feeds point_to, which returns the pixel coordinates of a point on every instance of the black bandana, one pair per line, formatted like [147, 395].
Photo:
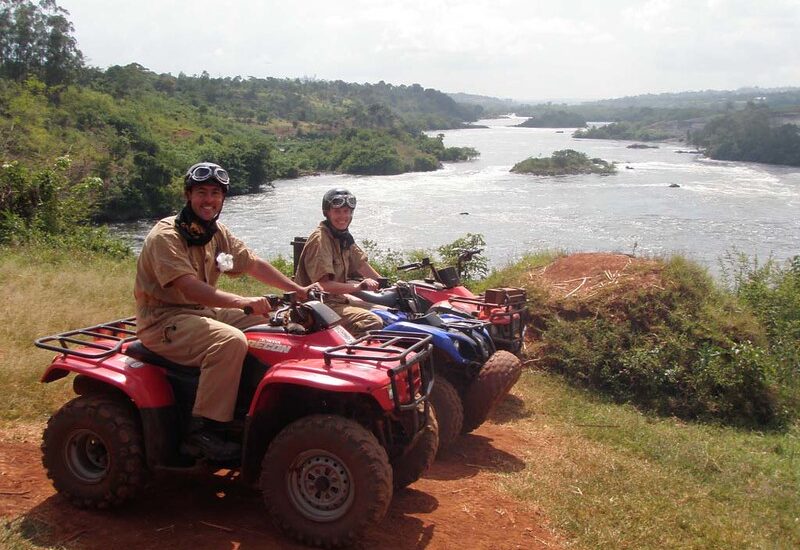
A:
[195, 230]
[345, 238]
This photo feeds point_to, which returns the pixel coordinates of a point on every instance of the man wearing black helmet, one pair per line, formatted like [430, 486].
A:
[181, 315]
[331, 254]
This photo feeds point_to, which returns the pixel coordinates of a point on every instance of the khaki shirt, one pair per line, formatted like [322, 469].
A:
[323, 257]
[166, 256]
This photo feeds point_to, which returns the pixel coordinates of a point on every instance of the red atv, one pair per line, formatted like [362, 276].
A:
[328, 424]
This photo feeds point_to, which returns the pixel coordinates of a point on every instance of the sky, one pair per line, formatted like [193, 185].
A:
[521, 49]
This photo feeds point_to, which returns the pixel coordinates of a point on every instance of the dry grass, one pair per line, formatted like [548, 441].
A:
[44, 295]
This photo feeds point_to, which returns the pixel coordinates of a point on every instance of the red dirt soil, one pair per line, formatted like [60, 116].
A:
[455, 504]
[582, 275]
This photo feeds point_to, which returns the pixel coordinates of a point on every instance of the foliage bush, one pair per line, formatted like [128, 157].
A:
[634, 131]
[772, 291]
[42, 207]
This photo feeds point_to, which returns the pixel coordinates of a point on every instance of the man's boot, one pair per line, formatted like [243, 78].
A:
[202, 441]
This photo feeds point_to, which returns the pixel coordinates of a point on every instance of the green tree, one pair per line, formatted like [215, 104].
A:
[36, 40]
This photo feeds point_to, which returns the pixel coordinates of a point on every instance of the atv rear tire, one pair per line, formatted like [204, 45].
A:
[449, 411]
[326, 479]
[409, 467]
[495, 379]
[92, 451]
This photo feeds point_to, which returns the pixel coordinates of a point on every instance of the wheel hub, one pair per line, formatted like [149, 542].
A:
[86, 456]
[320, 485]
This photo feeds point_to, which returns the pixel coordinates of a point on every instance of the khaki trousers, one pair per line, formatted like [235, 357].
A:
[356, 320]
[211, 339]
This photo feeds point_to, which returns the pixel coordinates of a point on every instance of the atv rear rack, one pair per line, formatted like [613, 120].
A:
[393, 346]
[96, 342]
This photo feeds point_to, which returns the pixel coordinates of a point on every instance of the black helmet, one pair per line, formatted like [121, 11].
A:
[206, 172]
[336, 198]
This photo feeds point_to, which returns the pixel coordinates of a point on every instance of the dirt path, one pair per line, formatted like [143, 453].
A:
[455, 505]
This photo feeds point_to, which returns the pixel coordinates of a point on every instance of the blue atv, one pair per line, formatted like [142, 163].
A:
[471, 375]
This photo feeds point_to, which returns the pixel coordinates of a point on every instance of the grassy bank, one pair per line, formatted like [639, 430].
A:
[611, 477]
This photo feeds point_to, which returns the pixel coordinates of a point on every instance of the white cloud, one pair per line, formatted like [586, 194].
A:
[511, 48]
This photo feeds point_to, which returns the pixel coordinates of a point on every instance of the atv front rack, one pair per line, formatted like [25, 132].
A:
[505, 309]
[383, 346]
[96, 342]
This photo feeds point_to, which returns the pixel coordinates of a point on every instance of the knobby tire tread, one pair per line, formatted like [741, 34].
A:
[494, 381]
[351, 435]
[449, 411]
[123, 437]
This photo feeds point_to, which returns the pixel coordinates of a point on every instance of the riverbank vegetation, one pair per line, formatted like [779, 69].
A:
[750, 135]
[564, 162]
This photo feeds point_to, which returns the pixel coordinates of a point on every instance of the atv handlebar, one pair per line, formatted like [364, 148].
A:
[288, 299]
[273, 299]
[414, 265]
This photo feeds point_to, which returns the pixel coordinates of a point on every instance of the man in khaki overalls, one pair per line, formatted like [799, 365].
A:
[330, 255]
[181, 315]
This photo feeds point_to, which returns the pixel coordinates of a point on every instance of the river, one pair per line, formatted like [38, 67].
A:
[718, 208]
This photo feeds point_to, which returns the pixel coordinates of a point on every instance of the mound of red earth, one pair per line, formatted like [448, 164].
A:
[584, 275]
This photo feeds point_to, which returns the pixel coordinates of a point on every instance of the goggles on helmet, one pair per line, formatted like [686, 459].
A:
[205, 172]
[340, 200]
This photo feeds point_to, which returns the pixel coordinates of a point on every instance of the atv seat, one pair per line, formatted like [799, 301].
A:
[137, 350]
[431, 319]
[387, 297]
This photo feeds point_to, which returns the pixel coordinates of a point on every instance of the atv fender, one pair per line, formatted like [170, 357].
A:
[144, 384]
[314, 375]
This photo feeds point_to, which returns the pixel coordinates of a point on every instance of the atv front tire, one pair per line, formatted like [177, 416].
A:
[410, 466]
[92, 450]
[495, 379]
[325, 479]
[449, 411]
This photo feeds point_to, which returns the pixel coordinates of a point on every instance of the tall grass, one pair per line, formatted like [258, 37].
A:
[47, 292]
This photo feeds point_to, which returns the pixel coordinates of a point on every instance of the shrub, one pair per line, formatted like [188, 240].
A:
[42, 206]
[682, 347]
